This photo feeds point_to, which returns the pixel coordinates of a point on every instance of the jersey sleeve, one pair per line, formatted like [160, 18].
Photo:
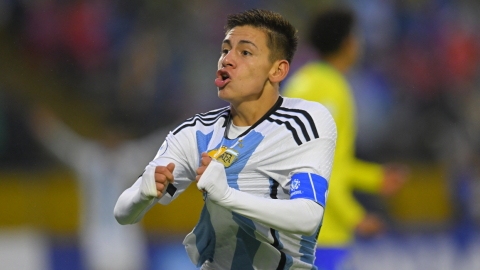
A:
[178, 149]
[304, 143]
[313, 161]
[316, 156]
[309, 186]
[134, 202]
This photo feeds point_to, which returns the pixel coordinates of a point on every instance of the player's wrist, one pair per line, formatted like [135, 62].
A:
[221, 196]
[145, 197]
[214, 182]
[148, 189]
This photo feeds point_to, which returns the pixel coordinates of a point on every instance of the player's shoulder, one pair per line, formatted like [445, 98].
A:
[318, 70]
[312, 108]
[204, 121]
[315, 76]
[314, 114]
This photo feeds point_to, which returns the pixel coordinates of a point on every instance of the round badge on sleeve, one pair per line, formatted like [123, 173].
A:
[163, 148]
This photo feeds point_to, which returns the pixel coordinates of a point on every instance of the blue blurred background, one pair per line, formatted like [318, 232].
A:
[139, 68]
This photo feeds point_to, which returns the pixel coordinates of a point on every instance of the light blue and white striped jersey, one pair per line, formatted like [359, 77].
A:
[287, 154]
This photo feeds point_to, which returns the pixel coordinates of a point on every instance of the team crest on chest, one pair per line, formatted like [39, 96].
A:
[225, 155]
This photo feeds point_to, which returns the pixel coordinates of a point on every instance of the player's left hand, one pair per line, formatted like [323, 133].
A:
[212, 179]
[205, 161]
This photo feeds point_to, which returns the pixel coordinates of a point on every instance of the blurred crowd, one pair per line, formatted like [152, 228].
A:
[150, 63]
[144, 65]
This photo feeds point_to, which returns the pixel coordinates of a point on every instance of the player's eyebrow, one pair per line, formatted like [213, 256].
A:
[226, 41]
[247, 42]
[243, 41]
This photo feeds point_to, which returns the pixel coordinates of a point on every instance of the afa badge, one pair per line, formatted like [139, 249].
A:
[225, 155]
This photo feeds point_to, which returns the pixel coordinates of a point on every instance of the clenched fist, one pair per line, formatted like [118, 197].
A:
[163, 176]
[211, 178]
[206, 159]
[155, 180]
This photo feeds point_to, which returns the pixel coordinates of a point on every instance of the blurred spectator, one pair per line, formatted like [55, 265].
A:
[105, 168]
[86, 33]
[333, 35]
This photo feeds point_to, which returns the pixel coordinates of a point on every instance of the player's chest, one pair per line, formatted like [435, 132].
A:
[236, 153]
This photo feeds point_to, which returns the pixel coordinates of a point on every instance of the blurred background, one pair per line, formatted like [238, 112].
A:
[91, 81]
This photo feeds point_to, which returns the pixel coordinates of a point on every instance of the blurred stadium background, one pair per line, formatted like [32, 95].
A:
[140, 66]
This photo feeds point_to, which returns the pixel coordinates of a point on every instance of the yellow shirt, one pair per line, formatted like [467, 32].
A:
[323, 83]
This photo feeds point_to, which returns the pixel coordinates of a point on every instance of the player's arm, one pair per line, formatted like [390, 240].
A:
[61, 140]
[386, 179]
[365, 176]
[299, 215]
[309, 163]
[147, 190]
[167, 176]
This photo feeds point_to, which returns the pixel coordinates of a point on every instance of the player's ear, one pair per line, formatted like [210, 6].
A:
[279, 71]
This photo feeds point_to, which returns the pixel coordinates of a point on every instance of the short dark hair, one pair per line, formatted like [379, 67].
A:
[282, 37]
[330, 28]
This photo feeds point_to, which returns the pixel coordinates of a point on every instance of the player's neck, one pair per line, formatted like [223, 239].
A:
[339, 63]
[249, 112]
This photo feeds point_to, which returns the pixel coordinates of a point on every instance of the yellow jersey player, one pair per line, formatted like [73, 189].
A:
[324, 82]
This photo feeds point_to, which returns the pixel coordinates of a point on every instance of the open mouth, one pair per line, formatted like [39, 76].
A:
[222, 79]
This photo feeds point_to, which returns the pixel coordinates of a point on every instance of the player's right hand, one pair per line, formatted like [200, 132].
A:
[163, 176]
[370, 226]
[395, 177]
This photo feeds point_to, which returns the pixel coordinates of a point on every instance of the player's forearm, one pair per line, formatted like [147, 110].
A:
[366, 176]
[132, 205]
[299, 216]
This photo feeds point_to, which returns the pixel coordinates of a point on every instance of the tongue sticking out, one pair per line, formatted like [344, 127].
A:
[220, 83]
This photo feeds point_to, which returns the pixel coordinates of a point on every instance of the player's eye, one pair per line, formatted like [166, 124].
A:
[224, 51]
[246, 53]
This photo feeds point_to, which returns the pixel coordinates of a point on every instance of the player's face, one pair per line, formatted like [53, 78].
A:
[244, 65]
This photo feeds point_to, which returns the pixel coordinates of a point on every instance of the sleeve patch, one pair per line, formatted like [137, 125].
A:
[162, 149]
[309, 186]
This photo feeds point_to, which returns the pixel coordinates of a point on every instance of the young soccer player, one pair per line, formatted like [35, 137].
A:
[263, 162]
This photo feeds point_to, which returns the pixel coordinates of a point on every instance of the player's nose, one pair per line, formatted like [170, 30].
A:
[228, 59]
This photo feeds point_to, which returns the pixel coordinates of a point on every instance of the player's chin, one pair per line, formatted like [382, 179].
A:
[222, 89]
[224, 94]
